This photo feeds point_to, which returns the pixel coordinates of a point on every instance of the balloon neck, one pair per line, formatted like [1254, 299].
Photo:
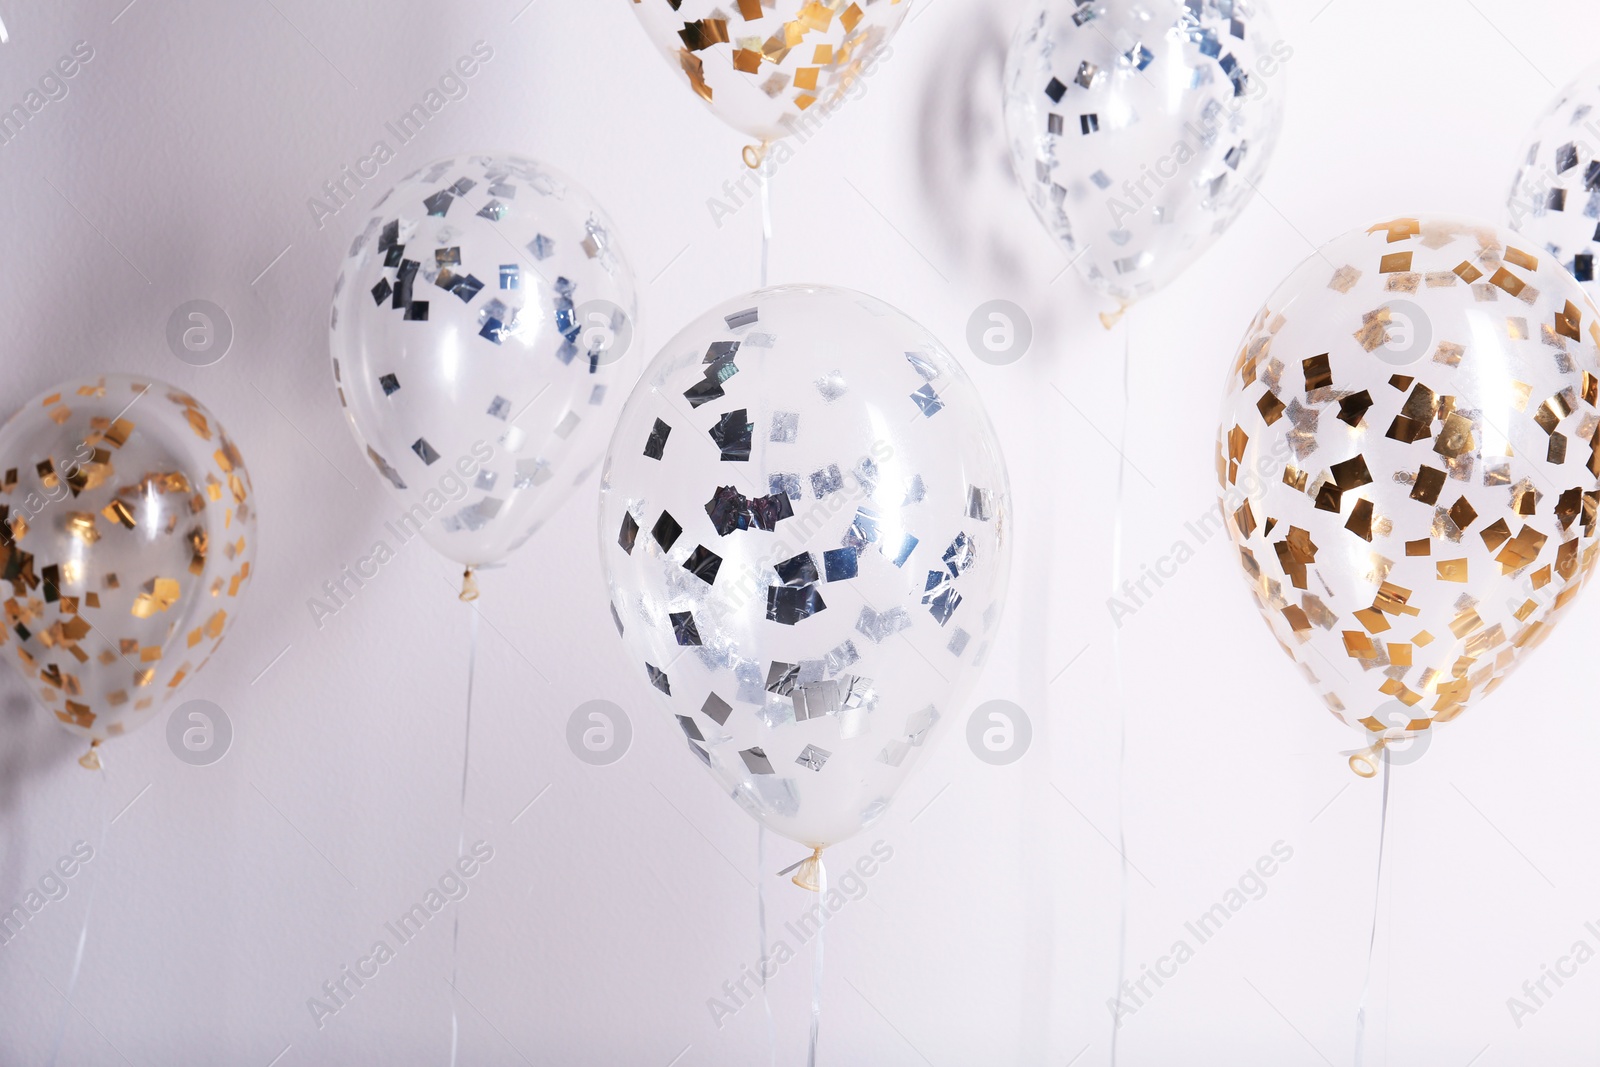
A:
[469, 586]
[1367, 761]
[755, 154]
[1109, 319]
[809, 874]
[90, 760]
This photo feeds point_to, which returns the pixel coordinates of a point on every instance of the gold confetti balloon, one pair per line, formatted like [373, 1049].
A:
[1555, 200]
[1407, 459]
[772, 68]
[804, 524]
[127, 534]
[1139, 129]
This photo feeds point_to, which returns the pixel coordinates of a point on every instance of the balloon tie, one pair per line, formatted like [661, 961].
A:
[755, 154]
[1109, 319]
[469, 587]
[90, 760]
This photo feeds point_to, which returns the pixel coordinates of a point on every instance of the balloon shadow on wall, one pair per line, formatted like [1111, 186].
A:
[965, 179]
[976, 208]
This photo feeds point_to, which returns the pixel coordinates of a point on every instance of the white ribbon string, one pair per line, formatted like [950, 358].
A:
[761, 961]
[1122, 695]
[461, 836]
[83, 931]
[766, 221]
[816, 962]
[1372, 936]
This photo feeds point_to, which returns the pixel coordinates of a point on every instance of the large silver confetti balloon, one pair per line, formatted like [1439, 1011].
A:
[1555, 200]
[1408, 459]
[1139, 129]
[127, 531]
[771, 68]
[804, 517]
[481, 341]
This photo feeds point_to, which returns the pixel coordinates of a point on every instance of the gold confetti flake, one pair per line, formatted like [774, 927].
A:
[1344, 279]
[1518, 258]
[159, 594]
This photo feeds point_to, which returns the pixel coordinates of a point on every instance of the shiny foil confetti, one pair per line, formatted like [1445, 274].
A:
[789, 567]
[1388, 471]
[1555, 199]
[127, 540]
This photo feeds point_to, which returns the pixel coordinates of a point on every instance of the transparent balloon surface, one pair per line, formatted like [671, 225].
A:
[1140, 128]
[771, 68]
[482, 344]
[1407, 458]
[127, 533]
[803, 523]
[1555, 200]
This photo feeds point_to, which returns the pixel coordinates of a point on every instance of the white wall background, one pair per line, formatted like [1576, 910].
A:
[180, 166]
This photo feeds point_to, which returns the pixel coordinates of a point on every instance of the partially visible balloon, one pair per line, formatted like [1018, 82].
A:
[127, 532]
[1140, 128]
[803, 521]
[1555, 199]
[482, 340]
[770, 68]
[1408, 461]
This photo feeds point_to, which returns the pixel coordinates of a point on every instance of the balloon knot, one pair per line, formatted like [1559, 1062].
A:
[1109, 319]
[90, 760]
[754, 155]
[469, 586]
[1367, 761]
[808, 875]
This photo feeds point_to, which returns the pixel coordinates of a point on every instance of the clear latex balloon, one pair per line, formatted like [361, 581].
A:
[771, 68]
[1408, 465]
[1555, 200]
[481, 340]
[127, 531]
[1140, 128]
[804, 525]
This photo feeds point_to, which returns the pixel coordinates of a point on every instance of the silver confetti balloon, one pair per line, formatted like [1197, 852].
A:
[1408, 461]
[127, 531]
[804, 517]
[1555, 199]
[1139, 129]
[481, 342]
